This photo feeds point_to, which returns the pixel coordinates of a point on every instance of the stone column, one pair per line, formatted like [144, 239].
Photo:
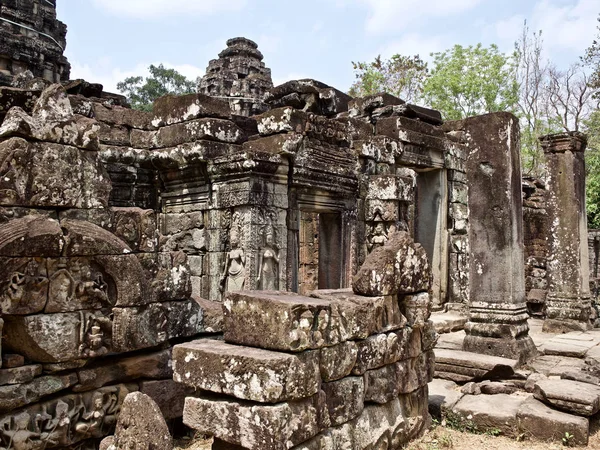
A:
[568, 303]
[498, 316]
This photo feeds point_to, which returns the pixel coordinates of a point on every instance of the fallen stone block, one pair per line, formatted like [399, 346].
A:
[472, 366]
[141, 425]
[546, 424]
[18, 375]
[491, 412]
[443, 395]
[574, 397]
[247, 373]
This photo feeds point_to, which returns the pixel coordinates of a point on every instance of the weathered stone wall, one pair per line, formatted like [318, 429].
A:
[89, 297]
[535, 240]
[336, 370]
[31, 38]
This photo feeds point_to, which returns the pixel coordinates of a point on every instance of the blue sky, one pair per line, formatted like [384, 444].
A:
[109, 40]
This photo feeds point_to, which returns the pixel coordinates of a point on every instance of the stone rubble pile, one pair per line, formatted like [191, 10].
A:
[335, 370]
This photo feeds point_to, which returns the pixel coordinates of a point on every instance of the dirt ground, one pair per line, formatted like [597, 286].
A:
[442, 438]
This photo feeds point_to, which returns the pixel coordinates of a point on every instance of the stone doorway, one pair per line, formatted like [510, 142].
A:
[431, 230]
[321, 255]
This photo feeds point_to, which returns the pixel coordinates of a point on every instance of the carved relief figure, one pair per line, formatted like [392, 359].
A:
[25, 289]
[91, 337]
[234, 272]
[377, 238]
[268, 264]
[21, 438]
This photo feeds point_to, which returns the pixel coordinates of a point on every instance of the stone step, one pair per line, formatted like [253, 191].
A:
[461, 366]
[443, 395]
[448, 322]
[575, 397]
[567, 347]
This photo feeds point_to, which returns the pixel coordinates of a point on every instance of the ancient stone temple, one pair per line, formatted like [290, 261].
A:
[264, 253]
[240, 76]
[31, 38]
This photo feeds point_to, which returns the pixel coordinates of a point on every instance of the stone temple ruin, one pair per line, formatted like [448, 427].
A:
[262, 263]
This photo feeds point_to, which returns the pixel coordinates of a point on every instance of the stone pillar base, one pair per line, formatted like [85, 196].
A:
[567, 314]
[522, 349]
[499, 330]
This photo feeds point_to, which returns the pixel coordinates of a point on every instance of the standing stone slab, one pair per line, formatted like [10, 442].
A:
[141, 425]
[254, 426]
[247, 373]
[497, 309]
[568, 304]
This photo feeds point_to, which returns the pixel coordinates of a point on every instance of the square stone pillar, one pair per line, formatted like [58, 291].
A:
[568, 303]
[498, 315]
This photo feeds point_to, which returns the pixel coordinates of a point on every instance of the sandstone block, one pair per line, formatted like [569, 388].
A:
[547, 424]
[18, 395]
[491, 411]
[168, 395]
[141, 425]
[337, 361]
[443, 395]
[155, 365]
[171, 109]
[254, 426]
[575, 397]
[345, 399]
[398, 267]
[382, 385]
[246, 373]
[18, 375]
[279, 321]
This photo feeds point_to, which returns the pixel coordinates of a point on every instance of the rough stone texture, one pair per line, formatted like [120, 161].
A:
[246, 373]
[398, 267]
[279, 426]
[443, 395]
[568, 303]
[460, 366]
[141, 425]
[497, 309]
[344, 399]
[491, 412]
[23, 50]
[238, 73]
[546, 424]
[572, 396]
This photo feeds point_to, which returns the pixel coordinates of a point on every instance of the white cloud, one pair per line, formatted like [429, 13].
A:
[155, 9]
[567, 27]
[393, 15]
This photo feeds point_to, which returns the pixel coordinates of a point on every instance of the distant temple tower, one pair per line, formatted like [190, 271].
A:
[31, 38]
[240, 74]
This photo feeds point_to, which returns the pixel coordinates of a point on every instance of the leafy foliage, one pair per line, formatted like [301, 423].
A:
[592, 161]
[592, 59]
[402, 76]
[468, 81]
[142, 93]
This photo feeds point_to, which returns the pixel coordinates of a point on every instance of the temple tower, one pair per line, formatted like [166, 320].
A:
[31, 38]
[240, 76]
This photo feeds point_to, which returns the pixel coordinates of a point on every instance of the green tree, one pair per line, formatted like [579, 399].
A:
[468, 81]
[592, 60]
[402, 76]
[592, 166]
[142, 92]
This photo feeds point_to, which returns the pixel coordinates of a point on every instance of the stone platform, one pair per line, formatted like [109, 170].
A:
[556, 393]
